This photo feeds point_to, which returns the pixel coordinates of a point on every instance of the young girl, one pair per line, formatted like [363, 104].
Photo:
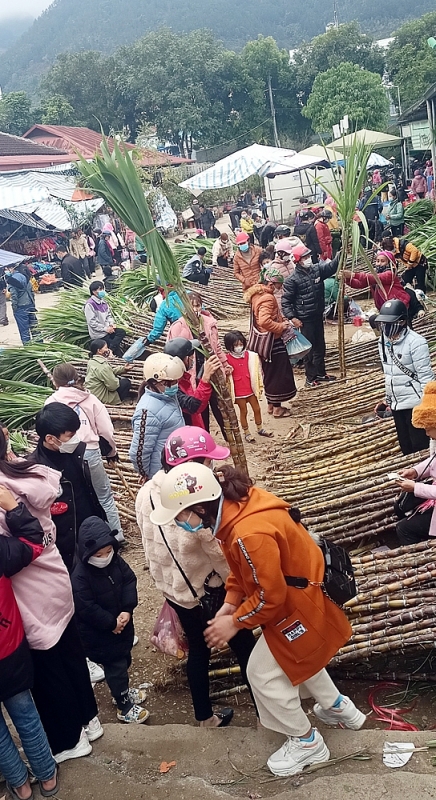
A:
[246, 381]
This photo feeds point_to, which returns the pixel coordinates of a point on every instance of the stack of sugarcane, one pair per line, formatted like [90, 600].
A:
[345, 400]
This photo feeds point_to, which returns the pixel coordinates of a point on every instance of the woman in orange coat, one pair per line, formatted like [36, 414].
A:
[278, 375]
[302, 628]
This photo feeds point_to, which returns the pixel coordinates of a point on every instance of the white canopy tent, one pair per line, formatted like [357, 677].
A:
[250, 160]
[375, 139]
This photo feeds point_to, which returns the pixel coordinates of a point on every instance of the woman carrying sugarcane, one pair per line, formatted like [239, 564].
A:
[302, 629]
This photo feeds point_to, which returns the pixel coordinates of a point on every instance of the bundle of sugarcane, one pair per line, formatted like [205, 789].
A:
[20, 402]
[183, 251]
[22, 363]
[418, 213]
[344, 400]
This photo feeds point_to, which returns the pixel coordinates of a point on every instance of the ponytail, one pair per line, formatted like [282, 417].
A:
[234, 483]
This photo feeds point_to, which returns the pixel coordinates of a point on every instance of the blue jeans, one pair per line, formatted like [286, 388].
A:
[27, 323]
[102, 488]
[25, 717]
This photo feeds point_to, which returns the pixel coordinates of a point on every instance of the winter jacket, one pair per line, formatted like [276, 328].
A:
[79, 247]
[411, 350]
[76, 493]
[427, 491]
[307, 232]
[396, 212]
[418, 185]
[207, 219]
[223, 250]
[262, 544]
[247, 225]
[98, 317]
[43, 589]
[324, 239]
[94, 418]
[371, 210]
[193, 268]
[193, 401]
[168, 311]
[16, 669]
[197, 553]
[246, 267]
[285, 268]
[72, 271]
[303, 292]
[156, 416]
[102, 380]
[267, 235]
[407, 252]
[210, 328]
[100, 595]
[104, 253]
[20, 290]
[393, 288]
[266, 311]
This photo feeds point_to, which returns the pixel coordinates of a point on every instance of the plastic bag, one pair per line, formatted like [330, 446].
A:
[298, 347]
[135, 350]
[168, 635]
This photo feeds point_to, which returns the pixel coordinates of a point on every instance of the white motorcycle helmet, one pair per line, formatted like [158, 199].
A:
[161, 367]
[183, 486]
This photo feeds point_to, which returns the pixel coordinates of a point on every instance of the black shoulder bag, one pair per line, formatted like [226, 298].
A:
[338, 582]
[213, 597]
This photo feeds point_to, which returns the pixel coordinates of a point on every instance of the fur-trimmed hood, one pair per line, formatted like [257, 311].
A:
[258, 288]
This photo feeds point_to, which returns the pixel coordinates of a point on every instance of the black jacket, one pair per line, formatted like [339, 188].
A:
[101, 594]
[307, 232]
[207, 220]
[72, 271]
[16, 669]
[303, 291]
[267, 234]
[77, 493]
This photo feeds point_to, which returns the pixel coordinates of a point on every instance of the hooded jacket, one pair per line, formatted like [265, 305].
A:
[411, 351]
[155, 417]
[324, 238]
[43, 589]
[246, 267]
[303, 292]
[262, 544]
[193, 401]
[168, 311]
[16, 553]
[72, 495]
[72, 271]
[266, 311]
[197, 553]
[419, 183]
[98, 317]
[307, 232]
[104, 253]
[100, 595]
[20, 290]
[210, 327]
[102, 380]
[93, 415]
[393, 288]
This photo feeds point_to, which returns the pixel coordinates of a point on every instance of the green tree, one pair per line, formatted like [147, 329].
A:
[56, 110]
[410, 61]
[15, 113]
[343, 44]
[347, 89]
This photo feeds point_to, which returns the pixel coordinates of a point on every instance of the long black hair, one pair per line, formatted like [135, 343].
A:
[12, 469]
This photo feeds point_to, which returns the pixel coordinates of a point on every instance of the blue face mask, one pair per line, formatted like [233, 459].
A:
[187, 527]
[244, 247]
[171, 391]
[101, 293]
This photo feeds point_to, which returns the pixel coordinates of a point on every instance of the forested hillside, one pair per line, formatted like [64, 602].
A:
[102, 25]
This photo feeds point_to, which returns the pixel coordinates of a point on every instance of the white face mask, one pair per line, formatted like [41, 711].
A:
[306, 262]
[70, 446]
[101, 562]
[238, 349]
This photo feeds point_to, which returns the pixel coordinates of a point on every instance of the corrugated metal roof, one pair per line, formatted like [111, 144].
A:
[21, 218]
[19, 146]
[7, 258]
[17, 190]
[56, 215]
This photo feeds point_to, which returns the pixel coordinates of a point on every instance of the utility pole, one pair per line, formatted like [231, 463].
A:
[335, 14]
[273, 113]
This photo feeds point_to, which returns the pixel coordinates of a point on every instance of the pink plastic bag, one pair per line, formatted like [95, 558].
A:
[168, 635]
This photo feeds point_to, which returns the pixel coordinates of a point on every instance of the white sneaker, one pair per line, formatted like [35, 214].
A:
[294, 755]
[136, 696]
[136, 714]
[346, 715]
[82, 748]
[135, 640]
[96, 673]
[94, 729]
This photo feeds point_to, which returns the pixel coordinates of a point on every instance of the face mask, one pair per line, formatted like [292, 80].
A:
[101, 293]
[238, 349]
[244, 247]
[307, 262]
[187, 527]
[70, 446]
[106, 354]
[8, 273]
[285, 257]
[171, 391]
[101, 562]
[392, 329]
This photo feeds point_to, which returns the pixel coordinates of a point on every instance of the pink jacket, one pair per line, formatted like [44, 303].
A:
[94, 417]
[427, 491]
[43, 589]
[210, 327]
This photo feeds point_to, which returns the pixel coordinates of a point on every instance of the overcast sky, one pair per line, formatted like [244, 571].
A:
[23, 7]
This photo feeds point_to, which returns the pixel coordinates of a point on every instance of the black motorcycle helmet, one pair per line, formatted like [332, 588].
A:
[180, 347]
[283, 231]
[392, 311]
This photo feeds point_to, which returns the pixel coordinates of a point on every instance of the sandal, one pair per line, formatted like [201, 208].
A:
[249, 438]
[286, 412]
[263, 432]
[270, 408]
[13, 792]
[50, 792]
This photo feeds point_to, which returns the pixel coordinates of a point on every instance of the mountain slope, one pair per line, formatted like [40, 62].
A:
[106, 24]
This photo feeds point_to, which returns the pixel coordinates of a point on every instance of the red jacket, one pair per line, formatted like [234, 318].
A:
[194, 401]
[325, 240]
[391, 284]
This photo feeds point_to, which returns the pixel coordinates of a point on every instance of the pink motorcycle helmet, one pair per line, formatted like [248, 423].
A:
[299, 251]
[189, 442]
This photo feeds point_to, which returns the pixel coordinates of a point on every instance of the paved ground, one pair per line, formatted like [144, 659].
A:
[230, 763]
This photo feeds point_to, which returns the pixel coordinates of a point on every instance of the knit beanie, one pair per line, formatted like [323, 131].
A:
[424, 415]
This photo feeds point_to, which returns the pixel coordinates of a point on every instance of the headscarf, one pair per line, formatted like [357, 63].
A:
[389, 255]
[269, 274]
